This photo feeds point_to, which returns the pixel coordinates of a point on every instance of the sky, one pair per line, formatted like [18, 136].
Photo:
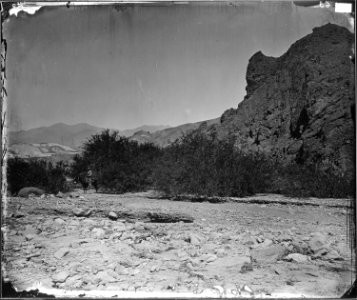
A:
[124, 67]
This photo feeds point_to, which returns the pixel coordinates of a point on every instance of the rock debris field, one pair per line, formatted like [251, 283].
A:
[136, 244]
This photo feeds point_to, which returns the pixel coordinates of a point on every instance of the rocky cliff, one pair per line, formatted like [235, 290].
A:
[300, 106]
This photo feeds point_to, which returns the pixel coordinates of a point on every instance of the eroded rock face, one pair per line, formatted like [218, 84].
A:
[300, 106]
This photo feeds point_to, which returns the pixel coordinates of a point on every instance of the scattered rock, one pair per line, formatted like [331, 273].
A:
[59, 195]
[60, 277]
[247, 240]
[328, 254]
[87, 212]
[247, 267]
[259, 239]
[105, 277]
[300, 247]
[208, 258]
[121, 270]
[29, 237]
[297, 257]
[268, 254]
[161, 217]
[37, 254]
[113, 216]
[61, 253]
[89, 222]
[220, 252]
[317, 242]
[284, 238]
[98, 232]
[79, 212]
[155, 268]
[264, 244]
[194, 239]
[59, 221]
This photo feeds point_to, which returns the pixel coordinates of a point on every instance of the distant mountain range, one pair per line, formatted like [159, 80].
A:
[62, 139]
[67, 135]
[59, 139]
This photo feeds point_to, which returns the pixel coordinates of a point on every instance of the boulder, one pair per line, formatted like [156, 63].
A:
[112, 215]
[106, 277]
[247, 239]
[297, 257]
[59, 221]
[80, 212]
[194, 239]
[268, 254]
[60, 277]
[29, 237]
[247, 267]
[98, 232]
[26, 191]
[318, 242]
[59, 195]
[61, 253]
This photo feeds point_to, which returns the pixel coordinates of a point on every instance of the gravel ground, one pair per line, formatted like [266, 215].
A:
[240, 248]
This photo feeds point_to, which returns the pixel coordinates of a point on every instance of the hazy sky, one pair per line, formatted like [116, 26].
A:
[153, 65]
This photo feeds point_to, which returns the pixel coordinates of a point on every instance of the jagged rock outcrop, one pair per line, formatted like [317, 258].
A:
[300, 106]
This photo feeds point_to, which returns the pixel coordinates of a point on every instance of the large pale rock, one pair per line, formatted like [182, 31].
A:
[26, 191]
[318, 242]
[112, 215]
[98, 232]
[60, 277]
[297, 257]
[80, 212]
[268, 254]
[61, 253]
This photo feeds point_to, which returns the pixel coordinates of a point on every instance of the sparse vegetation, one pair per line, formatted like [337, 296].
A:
[203, 165]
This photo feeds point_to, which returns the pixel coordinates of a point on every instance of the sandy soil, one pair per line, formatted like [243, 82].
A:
[262, 246]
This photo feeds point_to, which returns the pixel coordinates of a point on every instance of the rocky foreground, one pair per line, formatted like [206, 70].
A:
[132, 244]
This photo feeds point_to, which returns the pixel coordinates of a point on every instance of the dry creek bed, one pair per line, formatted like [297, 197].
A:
[261, 246]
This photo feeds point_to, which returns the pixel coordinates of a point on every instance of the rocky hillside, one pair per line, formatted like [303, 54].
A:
[167, 136]
[300, 106]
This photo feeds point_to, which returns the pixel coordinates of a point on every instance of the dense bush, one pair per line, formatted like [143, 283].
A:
[204, 165]
[198, 164]
[114, 163]
[312, 181]
[35, 173]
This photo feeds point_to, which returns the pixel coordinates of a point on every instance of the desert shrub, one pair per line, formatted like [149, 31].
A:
[115, 163]
[313, 181]
[198, 164]
[35, 173]
[204, 165]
